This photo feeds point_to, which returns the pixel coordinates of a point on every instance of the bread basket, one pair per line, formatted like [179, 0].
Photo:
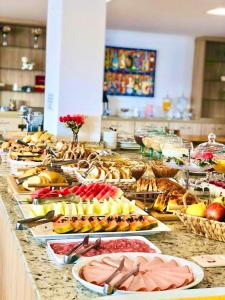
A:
[210, 229]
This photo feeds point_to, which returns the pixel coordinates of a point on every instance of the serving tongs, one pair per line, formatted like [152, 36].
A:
[73, 257]
[84, 243]
[22, 156]
[21, 142]
[46, 218]
[109, 289]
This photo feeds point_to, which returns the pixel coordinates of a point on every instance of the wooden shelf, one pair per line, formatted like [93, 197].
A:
[18, 69]
[21, 44]
[214, 62]
[22, 47]
[216, 100]
[11, 91]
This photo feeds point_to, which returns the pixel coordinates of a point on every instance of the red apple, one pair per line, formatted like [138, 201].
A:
[215, 211]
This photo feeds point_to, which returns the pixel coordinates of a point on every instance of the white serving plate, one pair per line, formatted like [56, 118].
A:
[197, 271]
[171, 295]
[45, 232]
[58, 258]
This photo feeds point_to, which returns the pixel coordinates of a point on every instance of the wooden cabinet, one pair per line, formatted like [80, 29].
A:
[9, 124]
[186, 128]
[141, 124]
[208, 86]
[125, 127]
[218, 129]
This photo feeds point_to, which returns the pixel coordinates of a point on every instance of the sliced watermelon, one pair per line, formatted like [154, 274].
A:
[103, 192]
[64, 192]
[80, 189]
[91, 191]
[74, 189]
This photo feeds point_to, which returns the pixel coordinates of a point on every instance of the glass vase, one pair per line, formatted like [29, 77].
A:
[75, 138]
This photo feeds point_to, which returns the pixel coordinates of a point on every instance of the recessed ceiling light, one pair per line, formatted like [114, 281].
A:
[108, 0]
[219, 11]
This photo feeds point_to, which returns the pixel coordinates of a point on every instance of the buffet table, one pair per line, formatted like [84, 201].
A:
[28, 273]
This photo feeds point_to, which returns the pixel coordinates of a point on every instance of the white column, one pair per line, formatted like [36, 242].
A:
[75, 64]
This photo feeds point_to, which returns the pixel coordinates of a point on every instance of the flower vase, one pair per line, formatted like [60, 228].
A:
[75, 138]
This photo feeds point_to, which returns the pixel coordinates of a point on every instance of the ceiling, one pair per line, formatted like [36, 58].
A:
[168, 16]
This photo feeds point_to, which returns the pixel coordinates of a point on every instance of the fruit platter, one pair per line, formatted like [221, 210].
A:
[84, 192]
[65, 227]
[58, 249]
[134, 272]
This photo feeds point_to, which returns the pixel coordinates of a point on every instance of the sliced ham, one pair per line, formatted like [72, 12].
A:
[118, 277]
[137, 284]
[188, 277]
[124, 286]
[98, 264]
[154, 274]
[160, 282]
[128, 263]
[150, 284]
[96, 275]
[111, 262]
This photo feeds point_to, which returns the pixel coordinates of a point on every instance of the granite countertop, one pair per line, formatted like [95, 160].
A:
[56, 282]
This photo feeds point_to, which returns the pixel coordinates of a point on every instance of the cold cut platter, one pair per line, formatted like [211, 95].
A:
[136, 272]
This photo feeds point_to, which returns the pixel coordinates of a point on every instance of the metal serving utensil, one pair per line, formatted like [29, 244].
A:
[74, 257]
[84, 243]
[18, 141]
[109, 289]
[48, 217]
[110, 278]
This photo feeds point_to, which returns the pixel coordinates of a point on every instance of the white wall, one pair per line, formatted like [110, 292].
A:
[75, 64]
[173, 70]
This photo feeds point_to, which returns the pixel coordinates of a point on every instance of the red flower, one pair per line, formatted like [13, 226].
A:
[78, 120]
[207, 155]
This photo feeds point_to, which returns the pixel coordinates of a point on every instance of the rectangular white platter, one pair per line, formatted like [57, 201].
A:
[45, 231]
[58, 258]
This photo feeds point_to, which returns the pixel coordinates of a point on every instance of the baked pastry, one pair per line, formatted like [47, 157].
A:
[162, 171]
[172, 196]
[45, 177]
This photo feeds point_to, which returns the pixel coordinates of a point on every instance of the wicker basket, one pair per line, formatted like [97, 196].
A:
[201, 226]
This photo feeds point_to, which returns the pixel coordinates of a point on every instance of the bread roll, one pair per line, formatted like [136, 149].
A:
[53, 177]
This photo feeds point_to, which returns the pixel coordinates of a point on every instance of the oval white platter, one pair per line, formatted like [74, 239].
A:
[196, 270]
